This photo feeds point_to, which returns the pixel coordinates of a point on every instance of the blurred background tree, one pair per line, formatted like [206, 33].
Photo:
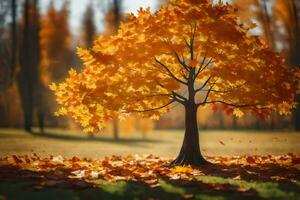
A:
[88, 26]
[278, 23]
[56, 53]
[29, 74]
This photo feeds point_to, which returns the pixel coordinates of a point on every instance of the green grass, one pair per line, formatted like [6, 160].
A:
[164, 143]
[127, 190]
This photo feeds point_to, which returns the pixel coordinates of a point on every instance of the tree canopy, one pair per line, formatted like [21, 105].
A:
[151, 63]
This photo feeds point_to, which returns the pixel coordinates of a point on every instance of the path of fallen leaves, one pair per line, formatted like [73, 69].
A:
[148, 169]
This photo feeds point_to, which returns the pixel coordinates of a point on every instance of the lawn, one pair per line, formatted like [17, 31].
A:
[163, 143]
[234, 182]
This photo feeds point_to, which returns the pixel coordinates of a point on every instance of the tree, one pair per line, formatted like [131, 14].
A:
[188, 45]
[4, 47]
[55, 43]
[287, 16]
[89, 26]
[28, 80]
[13, 37]
[257, 10]
[56, 54]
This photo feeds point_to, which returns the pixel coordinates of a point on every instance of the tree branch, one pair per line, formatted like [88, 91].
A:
[231, 104]
[186, 67]
[151, 109]
[156, 95]
[207, 94]
[204, 84]
[170, 73]
[202, 69]
[179, 97]
[183, 75]
[202, 63]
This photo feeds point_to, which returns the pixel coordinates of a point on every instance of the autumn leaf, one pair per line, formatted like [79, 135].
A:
[238, 113]
[193, 63]
[144, 168]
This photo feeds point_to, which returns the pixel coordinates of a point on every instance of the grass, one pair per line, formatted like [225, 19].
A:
[166, 190]
[163, 143]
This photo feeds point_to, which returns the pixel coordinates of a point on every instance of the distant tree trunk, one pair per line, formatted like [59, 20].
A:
[267, 24]
[117, 13]
[272, 121]
[287, 12]
[234, 122]
[116, 7]
[25, 85]
[221, 120]
[295, 54]
[14, 39]
[36, 65]
[89, 26]
[257, 124]
[29, 80]
[190, 151]
[116, 129]
[296, 115]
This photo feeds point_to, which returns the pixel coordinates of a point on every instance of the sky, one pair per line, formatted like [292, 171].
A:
[77, 8]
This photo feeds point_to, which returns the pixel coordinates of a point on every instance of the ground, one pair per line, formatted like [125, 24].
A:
[163, 143]
[221, 182]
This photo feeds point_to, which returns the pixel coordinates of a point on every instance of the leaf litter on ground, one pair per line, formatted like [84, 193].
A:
[58, 171]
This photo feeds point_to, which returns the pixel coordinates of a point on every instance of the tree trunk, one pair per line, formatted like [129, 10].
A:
[116, 129]
[296, 115]
[14, 39]
[190, 151]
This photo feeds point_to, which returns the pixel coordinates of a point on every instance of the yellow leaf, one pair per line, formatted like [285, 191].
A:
[238, 113]
[53, 86]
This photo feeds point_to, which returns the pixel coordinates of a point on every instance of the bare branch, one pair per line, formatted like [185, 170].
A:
[177, 97]
[170, 73]
[232, 104]
[156, 95]
[208, 92]
[204, 84]
[186, 67]
[183, 75]
[202, 63]
[180, 97]
[151, 109]
[202, 69]
[186, 42]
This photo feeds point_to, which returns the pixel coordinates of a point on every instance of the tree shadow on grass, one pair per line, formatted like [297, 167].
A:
[200, 189]
[25, 184]
[244, 181]
[262, 172]
[124, 141]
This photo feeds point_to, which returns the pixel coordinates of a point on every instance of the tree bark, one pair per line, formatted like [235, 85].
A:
[190, 151]
[29, 80]
[116, 129]
[14, 39]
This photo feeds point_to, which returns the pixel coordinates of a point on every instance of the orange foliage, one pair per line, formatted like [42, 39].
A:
[149, 63]
[55, 43]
